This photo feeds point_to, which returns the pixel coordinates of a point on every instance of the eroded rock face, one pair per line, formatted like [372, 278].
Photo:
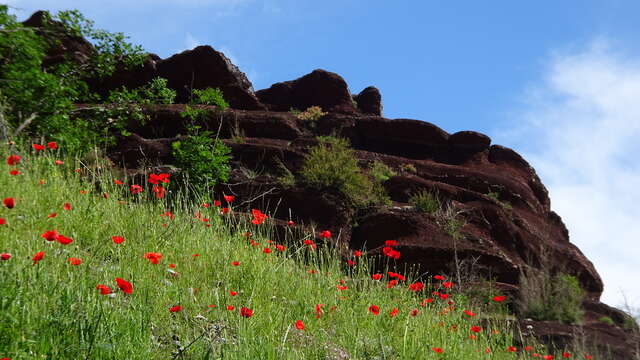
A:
[369, 101]
[319, 88]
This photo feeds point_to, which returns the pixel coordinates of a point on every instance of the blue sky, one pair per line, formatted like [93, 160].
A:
[556, 80]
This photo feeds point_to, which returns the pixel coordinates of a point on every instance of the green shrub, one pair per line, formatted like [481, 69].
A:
[550, 297]
[210, 96]
[380, 171]
[409, 168]
[332, 164]
[606, 320]
[204, 160]
[313, 113]
[425, 201]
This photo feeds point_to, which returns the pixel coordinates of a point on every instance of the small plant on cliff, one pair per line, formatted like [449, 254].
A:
[544, 296]
[408, 168]
[312, 114]
[203, 158]
[332, 164]
[208, 96]
[380, 171]
[425, 201]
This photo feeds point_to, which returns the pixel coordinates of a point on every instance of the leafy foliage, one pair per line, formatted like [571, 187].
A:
[380, 171]
[332, 164]
[312, 114]
[425, 201]
[550, 297]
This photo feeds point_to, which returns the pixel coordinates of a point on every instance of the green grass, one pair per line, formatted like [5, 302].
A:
[52, 309]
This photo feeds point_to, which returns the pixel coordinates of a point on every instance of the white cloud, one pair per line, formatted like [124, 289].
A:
[580, 129]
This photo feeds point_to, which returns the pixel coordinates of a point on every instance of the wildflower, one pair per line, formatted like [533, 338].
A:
[74, 261]
[438, 350]
[414, 312]
[229, 198]
[469, 313]
[224, 210]
[155, 179]
[3, 221]
[417, 286]
[499, 298]
[266, 250]
[392, 283]
[58, 162]
[325, 234]
[50, 235]
[319, 310]
[390, 252]
[351, 262]
[52, 215]
[135, 189]
[13, 160]
[118, 182]
[447, 284]
[444, 296]
[230, 307]
[159, 191]
[246, 312]
[9, 203]
[548, 357]
[52, 145]
[217, 203]
[566, 355]
[393, 312]
[357, 253]
[235, 263]
[172, 266]
[299, 325]
[66, 206]
[153, 257]
[124, 285]
[37, 257]
[117, 239]
[374, 309]
[291, 223]
[104, 290]
[512, 349]
[175, 308]
[63, 239]
[280, 247]
[310, 243]
[341, 287]
[168, 214]
[37, 147]
[476, 329]
[400, 277]
[14, 172]
[376, 276]
[5, 256]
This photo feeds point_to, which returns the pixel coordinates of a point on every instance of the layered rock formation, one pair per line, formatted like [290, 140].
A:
[503, 209]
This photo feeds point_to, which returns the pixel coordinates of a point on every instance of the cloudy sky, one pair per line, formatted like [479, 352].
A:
[559, 81]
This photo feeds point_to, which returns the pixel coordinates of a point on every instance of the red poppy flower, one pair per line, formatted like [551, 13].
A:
[104, 289]
[469, 313]
[499, 298]
[291, 223]
[374, 309]
[159, 191]
[13, 160]
[390, 252]
[168, 214]
[548, 357]
[414, 312]
[155, 179]
[280, 247]
[417, 286]
[235, 263]
[195, 255]
[224, 210]
[438, 277]
[299, 325]
[50, 235]
[52, 215]
[357, 253]
[528, 348]
[427, 301]
[233, 293]
[74, 261]
[566, 355]
[229, 198]
[444, 296]
[37, 257]
[58, 162]
[476, 329]
[9, 203]
[3, 221]
[393, 312]
[217, 203]
[390, 243]
[175, 308]
[392, 283]
[37, 147]
[512, 349]
[14, 172]
[135, 189]
[230, 307]
[376, 276]
[310, 243]
[117, 239]
[396, 275]
[447, 284]
[118, 182]
[105, 195]
[341, 287]
[5, 256]
[246, 312]
[63, 239]
[266, 250]
[67, 206]
[258, 217]
[124, 285]
[351, 262]
[52, 145]
[588, 357]
[319, 310]
[325, 234]
[438, 350]
[153, 257]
